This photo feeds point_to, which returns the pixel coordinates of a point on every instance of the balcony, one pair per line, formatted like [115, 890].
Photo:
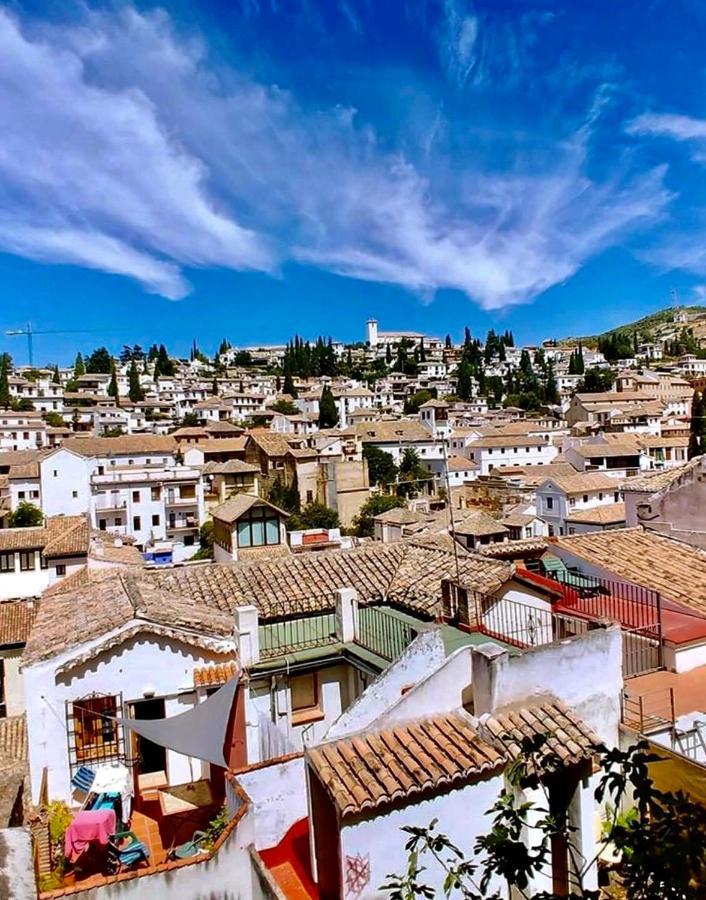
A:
[111, 506]
[181, 501]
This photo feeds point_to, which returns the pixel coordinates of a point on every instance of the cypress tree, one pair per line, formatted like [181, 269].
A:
[288, 386]
[328, 411]
[697, 426]
[113, 385]
[135, 390]
[56, 378]
[79, 366]
[5, 398]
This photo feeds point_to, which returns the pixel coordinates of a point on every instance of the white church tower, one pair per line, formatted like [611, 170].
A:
[372, 332]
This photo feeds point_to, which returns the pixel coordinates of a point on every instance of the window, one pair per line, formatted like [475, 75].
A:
[60, 569]
[21, 495]
[25, 435]
[550, 529]
[309, 497]
[135, 496]
[155, 520]
[118, 520]
[585, 498]
[616, 496]
[93, 736]
[258, 527]
[155, 493]
[34, 495]
[101, 524]
[304, 690]
[26, 560]
[7, 562]
[101, 470]
[56, 473]
[188, 540]
[3, 704]
[600, 495]
[549, 502]
[136, 523]
[74, 494]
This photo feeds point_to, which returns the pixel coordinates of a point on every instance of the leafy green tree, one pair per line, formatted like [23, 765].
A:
[99, 362]
[413, 403]
[5, 397]
[314, 515]
[54, 419]
[595, 381]
[135, 391]
[286, 407]
[24, 404]
[205, 551]
[285, 496]
[413, 475]
[328, 411]
[190, 420]
[27, 515]
[363, 522]
[381, 465]
[79, 366]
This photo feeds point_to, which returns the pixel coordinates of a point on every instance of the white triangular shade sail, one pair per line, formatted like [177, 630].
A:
[199, 732]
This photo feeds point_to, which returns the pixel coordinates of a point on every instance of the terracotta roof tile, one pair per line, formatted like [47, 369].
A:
[13, 737]
[607, 514]
[375, 769]
[676, 570]
[210, 676]
[59, 536]
[16, 620]
[371, 770]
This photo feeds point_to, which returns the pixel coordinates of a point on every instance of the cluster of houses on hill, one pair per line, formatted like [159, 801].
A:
[271, 708]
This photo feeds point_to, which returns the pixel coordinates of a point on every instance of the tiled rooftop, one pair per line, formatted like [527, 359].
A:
[405, 761]
[676, 570]
[16, 620]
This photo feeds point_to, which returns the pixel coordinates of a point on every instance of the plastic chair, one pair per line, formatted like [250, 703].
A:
[189, 848]
[125, 855]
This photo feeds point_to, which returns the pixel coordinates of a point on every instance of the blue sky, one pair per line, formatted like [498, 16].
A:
[253, 168]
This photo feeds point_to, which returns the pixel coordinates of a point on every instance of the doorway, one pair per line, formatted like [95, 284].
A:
[151, 757]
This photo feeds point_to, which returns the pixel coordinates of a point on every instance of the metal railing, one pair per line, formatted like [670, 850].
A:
[650, 712]
[287, 635]
[383, 633]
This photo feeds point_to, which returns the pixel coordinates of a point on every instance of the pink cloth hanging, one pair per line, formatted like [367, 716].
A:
[87, 826]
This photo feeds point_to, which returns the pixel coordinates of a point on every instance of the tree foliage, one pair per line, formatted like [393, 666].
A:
[380, 503]
[5, 398]
[697, 426]
[658, 843]
[381, 466]
[135, 391]
[99, 362]
[328, 411]
[27, 515]
[595, 381]
[314, 515]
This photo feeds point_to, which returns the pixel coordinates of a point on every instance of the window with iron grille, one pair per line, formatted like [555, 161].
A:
[7, 562]
[3, 702]
[93, 734]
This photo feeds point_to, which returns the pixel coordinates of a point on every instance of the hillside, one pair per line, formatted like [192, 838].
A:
[654, 326]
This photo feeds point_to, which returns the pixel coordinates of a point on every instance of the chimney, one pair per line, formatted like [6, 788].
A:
[247, 637]
[346, 615]
[488, 661]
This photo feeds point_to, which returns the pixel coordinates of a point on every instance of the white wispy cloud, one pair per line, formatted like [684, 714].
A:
[679, 127]
[134, 152]
[92, 176]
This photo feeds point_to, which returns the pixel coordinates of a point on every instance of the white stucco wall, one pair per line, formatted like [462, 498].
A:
[143, 663]
[72, 477]
[14, 687]
[278, 799]
[422, 657]
[584, 672]
[461, 815]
